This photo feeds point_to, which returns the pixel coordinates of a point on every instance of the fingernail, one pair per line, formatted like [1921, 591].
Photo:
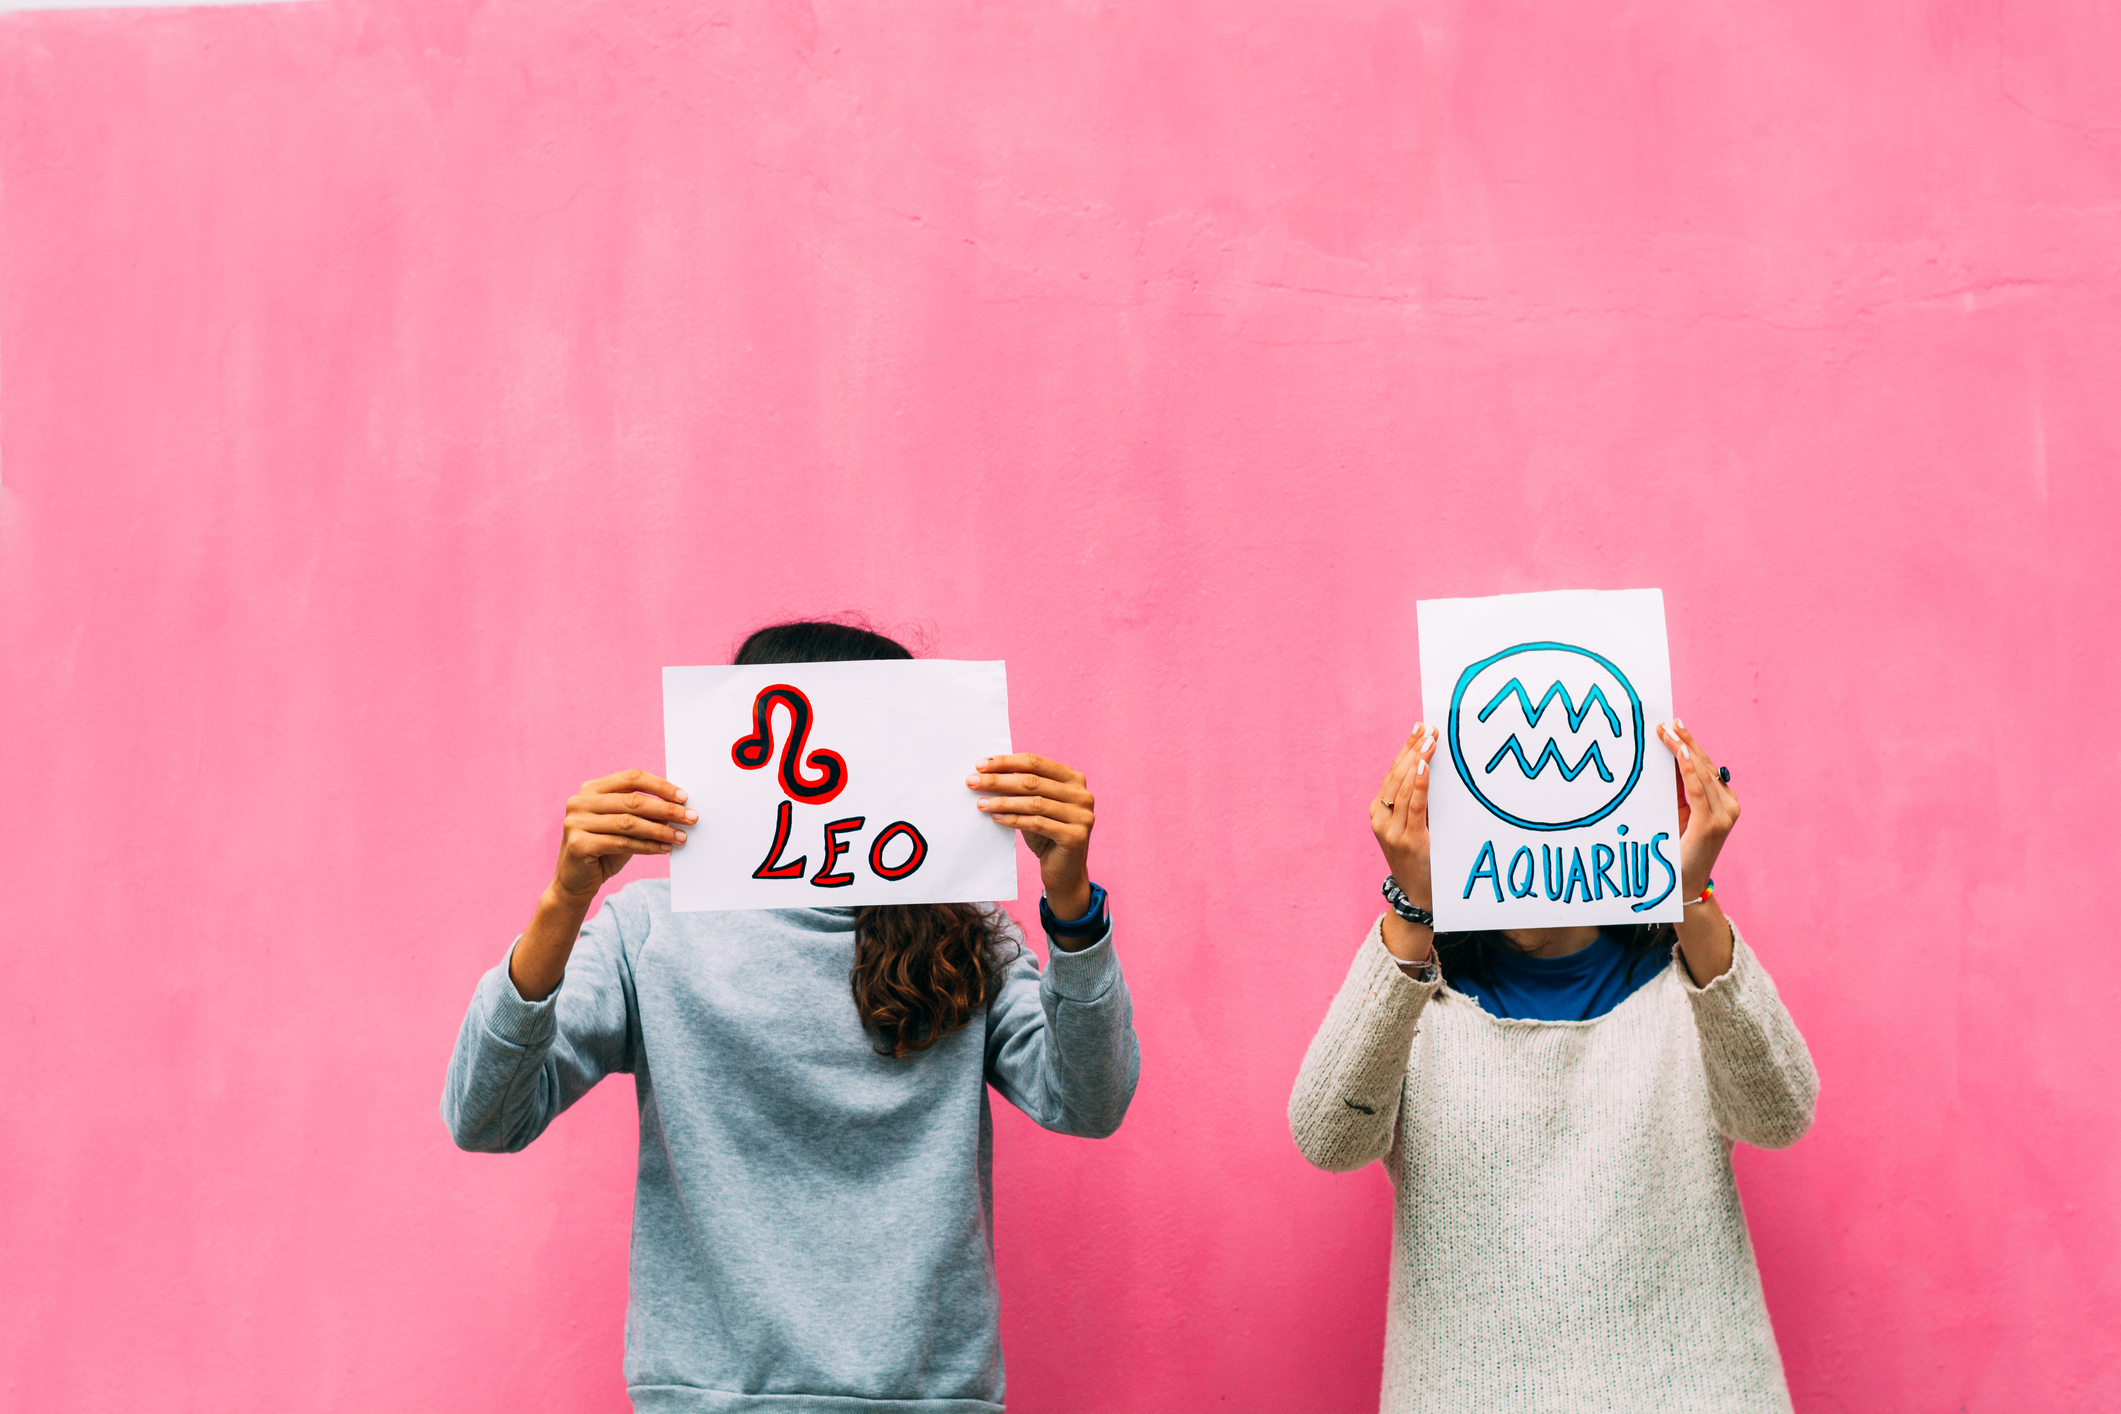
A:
[1676, 723]
[1684, 755]
[681, 797]
[1421, 768]
[972, 780]
[681, 837]
[692, 817]
[982, 762]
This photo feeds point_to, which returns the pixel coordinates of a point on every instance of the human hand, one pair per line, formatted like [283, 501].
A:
[611, 819]
[1050, 805]
[1707, 808]
[1399, 815]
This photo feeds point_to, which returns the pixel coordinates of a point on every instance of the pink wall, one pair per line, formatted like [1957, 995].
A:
[391, 387]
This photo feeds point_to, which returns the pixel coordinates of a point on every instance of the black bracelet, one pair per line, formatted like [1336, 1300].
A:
[1405, 907]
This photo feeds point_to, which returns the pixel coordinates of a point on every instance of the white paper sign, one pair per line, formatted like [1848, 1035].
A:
[1551, 801]
[836, 784]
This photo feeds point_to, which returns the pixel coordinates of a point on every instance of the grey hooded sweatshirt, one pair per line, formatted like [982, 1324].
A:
[812, 1223]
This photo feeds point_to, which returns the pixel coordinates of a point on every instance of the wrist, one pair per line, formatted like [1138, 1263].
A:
[1069, 897]
[1697, 873]
[1068, 910]
[1412, 876]
[1406, 942]
[1419, 897]
[560, 901]
[1074, 931]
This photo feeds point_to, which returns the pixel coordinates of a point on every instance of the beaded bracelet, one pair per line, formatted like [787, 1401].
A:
[1708, 891]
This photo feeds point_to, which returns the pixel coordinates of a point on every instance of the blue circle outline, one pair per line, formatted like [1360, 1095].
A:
[1465, 680]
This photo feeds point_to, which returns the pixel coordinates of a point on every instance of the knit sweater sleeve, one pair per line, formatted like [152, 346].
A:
[1761, 1082]
[1346, 1100]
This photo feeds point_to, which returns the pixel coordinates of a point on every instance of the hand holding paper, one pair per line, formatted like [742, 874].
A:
[1399, 817]
[610, 820]
[1707, 808]
[1050, 805]
[1707, 811]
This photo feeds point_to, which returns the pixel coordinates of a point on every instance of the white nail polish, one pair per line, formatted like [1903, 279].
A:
[1676, 723]
[1684, 755]
[1421, 768]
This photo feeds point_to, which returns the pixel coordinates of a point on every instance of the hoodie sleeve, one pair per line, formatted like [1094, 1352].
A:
[518, 1064]
[1060, 1042]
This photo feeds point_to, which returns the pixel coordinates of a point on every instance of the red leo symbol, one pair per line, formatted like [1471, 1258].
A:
[753, 751]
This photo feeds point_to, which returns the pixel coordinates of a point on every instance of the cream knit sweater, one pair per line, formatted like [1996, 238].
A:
[1566, 1235]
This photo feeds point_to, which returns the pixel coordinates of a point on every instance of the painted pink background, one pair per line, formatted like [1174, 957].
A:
[391, 387]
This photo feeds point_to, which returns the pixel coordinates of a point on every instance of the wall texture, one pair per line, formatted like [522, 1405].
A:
[388, 388]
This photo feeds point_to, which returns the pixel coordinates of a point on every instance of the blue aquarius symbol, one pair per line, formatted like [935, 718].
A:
[1553, 754]
[1575, 714]
[1575, 711]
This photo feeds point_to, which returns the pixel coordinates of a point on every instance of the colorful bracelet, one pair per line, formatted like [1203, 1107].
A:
[1708, 891]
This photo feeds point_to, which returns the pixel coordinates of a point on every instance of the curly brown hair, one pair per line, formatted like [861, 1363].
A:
[924, 970]
[921, 970]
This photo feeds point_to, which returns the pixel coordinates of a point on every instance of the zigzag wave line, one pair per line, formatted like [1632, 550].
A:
[1552, 753]
[1575, 714]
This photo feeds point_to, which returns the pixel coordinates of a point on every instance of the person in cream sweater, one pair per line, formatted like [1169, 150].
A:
[1557, 1109]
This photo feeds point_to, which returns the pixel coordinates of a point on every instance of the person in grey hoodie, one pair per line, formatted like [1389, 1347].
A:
[813, 1211]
